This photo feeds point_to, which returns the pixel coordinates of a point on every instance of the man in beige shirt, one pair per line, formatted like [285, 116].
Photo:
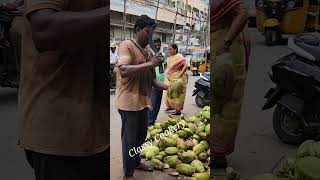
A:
[65, 120]
[135, 78]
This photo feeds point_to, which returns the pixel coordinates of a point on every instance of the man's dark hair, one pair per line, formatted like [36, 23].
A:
[157, 40]
[144, 21]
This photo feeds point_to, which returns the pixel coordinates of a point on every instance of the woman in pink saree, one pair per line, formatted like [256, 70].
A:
[231, 48]
[176, 65]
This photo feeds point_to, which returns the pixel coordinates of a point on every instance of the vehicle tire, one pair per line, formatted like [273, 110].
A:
[194, 73]
[270, 36]
[278, 37]
[252, 22]
[201, 102]
[286, 125]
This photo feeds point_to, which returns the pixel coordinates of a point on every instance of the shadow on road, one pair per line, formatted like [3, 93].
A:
[283, 42]
[8, 96]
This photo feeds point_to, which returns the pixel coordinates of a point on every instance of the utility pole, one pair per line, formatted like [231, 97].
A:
[123, 37]
[188, 38]
[203, 25]
[186, 14]
[175, 24]
[156, 17]
[208, 28]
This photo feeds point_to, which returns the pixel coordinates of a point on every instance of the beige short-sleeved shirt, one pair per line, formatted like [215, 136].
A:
[60, 111]
[133, 93]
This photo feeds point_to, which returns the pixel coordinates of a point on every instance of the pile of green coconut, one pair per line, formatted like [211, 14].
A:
[304, 166]
[182, 144]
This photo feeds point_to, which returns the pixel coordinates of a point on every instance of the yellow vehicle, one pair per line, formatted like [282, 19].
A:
[208, 61]
[277, 17]
[198, 61]
[313, 21]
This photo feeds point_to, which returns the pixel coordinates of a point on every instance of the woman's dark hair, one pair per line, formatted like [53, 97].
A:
[144, 21]
[174, 46]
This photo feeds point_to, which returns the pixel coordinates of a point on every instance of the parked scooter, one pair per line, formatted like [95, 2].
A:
[9, 67]
[297, 92]
[202, 91]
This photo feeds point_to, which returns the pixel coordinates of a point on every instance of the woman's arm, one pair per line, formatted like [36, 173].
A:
[240, 15]
[238, 24]
[184, 69]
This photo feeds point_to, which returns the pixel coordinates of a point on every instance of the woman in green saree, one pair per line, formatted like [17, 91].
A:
[230, 46]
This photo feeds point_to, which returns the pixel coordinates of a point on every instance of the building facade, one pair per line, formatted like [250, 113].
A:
[175, 19]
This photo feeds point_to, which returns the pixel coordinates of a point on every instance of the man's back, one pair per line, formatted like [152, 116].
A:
[63, 109]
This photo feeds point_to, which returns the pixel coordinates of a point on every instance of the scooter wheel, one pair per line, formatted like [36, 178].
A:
[201, 102]
[194, 73]
[288, 126]
[272, 36]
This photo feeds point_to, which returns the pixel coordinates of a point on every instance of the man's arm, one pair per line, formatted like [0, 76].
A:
[53, 30]
[133, 70]
[128, 70]
[12, 5]
[18, 3]
[159, 85]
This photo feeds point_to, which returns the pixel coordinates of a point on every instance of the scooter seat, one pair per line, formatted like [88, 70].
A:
[206, 75]
[313, 50]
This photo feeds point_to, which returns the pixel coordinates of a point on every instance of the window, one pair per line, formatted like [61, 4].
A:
[180, 4]
[164, 38]
[189, 8]
[198, 54]
[171, 3]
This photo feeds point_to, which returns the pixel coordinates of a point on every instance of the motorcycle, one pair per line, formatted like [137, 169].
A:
[297, 92]
[202, 91]
[9, 68]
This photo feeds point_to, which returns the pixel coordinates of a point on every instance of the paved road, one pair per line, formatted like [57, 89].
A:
[13, 165]
[258, 149]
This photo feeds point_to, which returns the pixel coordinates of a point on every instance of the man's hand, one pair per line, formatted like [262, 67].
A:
[156, 59]
[8, 6]
[166, 86]
[160, 85]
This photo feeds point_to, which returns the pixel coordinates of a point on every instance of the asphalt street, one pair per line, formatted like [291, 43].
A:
[258, 149]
